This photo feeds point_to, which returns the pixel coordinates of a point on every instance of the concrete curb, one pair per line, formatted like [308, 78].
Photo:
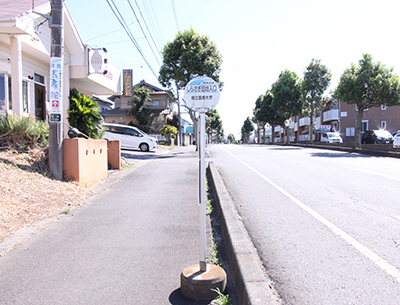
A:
[252, 284]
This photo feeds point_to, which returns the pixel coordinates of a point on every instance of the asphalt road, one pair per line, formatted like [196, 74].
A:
[326, 224]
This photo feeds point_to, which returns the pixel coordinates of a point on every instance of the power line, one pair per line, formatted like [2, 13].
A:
[137, 19]
[175, 15]
[152, 24]
[128, 32]
[140, 11]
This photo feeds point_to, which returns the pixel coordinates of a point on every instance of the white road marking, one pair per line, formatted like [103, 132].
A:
[396, 217]
[375, 258]
[374, 173]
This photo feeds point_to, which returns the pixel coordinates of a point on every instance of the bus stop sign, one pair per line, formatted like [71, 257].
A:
[202, 93]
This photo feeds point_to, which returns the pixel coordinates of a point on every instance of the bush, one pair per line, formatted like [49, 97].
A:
[84, 115]
[169, 132]
[23, 132]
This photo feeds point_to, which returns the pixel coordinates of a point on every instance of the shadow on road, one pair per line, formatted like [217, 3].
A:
[339, 155]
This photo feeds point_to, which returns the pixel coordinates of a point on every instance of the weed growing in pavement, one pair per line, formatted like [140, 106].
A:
[209, 207]
[221, 299]
[213, 250]
[66, 211]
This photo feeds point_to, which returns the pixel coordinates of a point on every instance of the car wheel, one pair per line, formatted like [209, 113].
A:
[144, 147]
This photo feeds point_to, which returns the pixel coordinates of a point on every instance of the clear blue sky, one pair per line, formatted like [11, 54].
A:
[257, 39]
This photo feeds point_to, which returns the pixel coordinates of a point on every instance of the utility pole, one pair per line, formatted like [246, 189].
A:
[179, 117]
[56, 96]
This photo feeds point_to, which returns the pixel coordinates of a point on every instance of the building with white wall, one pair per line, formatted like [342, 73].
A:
[25, 44]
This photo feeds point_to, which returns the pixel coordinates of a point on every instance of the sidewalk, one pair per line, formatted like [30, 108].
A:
[127, 245]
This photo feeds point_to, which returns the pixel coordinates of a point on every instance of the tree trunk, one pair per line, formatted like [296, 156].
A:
[272, 134]
[358, 128]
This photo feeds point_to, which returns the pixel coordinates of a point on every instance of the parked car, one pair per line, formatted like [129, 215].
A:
[396, 140]
[130, 137]
[331, 137]
[377, 137]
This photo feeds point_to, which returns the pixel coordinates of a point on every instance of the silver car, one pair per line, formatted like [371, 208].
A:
[130, 137]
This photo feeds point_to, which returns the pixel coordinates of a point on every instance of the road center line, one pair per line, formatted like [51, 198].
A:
[375, 258]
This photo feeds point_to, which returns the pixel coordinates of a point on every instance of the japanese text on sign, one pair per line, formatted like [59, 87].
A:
[55, 84]
[202, 93]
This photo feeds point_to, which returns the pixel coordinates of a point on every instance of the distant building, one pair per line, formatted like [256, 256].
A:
[341, 117]
[159, 105]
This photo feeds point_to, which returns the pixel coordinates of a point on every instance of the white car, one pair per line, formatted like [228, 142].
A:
[331, 137]
[396, 140]
[130, 137]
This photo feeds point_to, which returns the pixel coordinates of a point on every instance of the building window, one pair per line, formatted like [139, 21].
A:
[5, 93]
[153, 103]
[383, 125]
[39, 79]
[364, 125]
[25, 96]
[350, 132]
[383, 107]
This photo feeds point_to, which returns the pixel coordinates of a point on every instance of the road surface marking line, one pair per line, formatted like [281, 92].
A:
[396, 217]
[375, 258]
[373, 173]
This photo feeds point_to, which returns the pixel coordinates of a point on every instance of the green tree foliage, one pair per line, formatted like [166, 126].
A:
[169, 132]
[265, 113]
[316, 80]
[187, 57]
[247, 128]
[232, 139]
[214, 125]
[286, 93]
[368, 85]
[259, 116]
[84, 115]
[139, 100]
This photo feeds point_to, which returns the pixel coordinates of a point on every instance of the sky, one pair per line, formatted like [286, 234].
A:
[258, 39]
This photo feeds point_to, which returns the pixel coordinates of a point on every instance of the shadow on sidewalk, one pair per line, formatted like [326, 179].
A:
[177, 298]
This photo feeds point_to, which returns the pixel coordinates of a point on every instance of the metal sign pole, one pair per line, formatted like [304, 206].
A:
[202, 95]
[203, 195]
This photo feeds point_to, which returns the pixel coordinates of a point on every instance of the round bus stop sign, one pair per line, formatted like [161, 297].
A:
[202, 93]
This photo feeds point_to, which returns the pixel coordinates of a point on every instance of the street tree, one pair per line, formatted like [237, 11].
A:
[316, 80]
[188, 56]
[232, 139]
[368, 85]
[247, 128]
[272, 116]
[286, 93]
[260, 115]
[214, 125]
[142, 118]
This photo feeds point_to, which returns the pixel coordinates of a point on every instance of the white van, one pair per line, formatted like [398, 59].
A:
[130, 137]
[331, 137]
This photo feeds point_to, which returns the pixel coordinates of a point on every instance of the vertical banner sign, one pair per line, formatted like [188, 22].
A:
[55, 89]
[202, 95]
[127, 79]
